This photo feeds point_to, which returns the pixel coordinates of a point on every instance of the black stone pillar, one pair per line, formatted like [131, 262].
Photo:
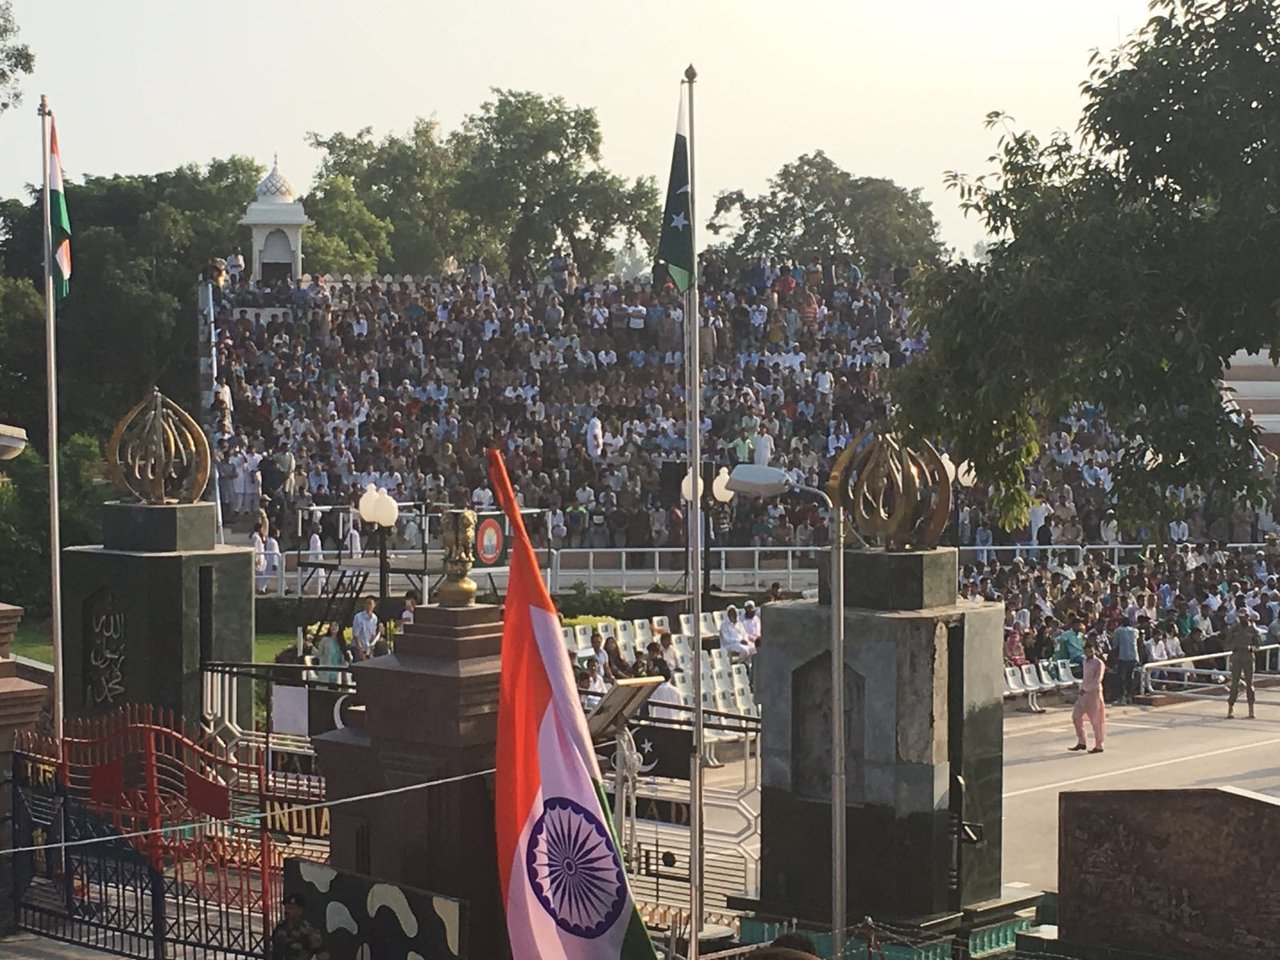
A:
[142, 612]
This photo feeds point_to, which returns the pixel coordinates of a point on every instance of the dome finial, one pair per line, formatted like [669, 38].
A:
[274, 188]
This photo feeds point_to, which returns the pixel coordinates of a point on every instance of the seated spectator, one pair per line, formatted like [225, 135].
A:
[617, 665]
[733, 637]
[751, 623]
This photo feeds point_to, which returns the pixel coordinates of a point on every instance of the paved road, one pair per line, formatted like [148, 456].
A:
[1185, 745]
[24, 946]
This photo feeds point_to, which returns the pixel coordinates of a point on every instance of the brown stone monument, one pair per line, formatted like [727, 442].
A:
[1172, 873]
[20, 704]
[428, 711]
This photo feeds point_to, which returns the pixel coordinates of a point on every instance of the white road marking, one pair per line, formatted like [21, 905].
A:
[1144, 766]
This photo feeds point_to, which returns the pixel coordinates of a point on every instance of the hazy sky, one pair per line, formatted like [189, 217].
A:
[893, 89]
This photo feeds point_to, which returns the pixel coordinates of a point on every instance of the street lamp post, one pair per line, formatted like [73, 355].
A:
[721, 493]
[378, 508]
[13, 440]
[772, 482]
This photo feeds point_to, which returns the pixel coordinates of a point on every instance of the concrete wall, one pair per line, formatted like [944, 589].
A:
[1182, 873]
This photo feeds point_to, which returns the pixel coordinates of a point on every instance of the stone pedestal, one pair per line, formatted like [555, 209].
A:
[20, 703]
[923, 729]
[430, 711]
[1175, 873]
[143, 611]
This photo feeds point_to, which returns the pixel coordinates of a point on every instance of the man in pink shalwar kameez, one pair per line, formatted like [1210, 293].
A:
[1090, 703]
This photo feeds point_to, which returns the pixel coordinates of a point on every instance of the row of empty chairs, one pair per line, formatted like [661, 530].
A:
[1043, 677]
[710, 623]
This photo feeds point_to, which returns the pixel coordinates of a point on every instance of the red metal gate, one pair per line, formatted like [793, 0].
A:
[182, 863]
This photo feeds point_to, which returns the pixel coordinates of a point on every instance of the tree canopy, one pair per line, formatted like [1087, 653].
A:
[812, 206]
[519, 178]
[1125, 266]
[24, 516]
[127, 325]
[16, 59]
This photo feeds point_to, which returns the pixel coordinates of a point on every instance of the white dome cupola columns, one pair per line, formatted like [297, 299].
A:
[276, 219]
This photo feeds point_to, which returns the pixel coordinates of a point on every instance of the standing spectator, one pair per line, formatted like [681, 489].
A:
[763, 447]
[365, 631]
[1089, 704]
[259, 545]
[1126, 652]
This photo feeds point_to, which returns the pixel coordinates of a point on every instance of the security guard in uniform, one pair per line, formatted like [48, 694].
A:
[294, 938]
[1241, 641]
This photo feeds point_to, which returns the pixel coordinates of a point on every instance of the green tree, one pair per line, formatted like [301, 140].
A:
[813, 207]
[347, 237]
[406, 181]
[16, 59]
[128, 323]
[1125, 266]
[24, 516]
[530, 179]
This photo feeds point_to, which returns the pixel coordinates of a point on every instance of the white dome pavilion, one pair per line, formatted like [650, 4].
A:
[276, 219]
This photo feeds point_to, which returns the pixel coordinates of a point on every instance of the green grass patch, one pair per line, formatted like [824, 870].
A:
[267, 645]
[32, 641]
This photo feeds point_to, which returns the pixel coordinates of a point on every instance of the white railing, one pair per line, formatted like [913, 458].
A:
[635, 569]
[639, 568]
[1204, 674]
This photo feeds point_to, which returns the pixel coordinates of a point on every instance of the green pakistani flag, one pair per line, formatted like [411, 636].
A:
[59, 221]
[675, 248]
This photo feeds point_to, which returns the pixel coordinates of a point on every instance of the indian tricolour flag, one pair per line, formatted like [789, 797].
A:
[563, 883]
[59, 220]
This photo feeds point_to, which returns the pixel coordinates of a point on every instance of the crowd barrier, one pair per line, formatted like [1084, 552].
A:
[638, 569]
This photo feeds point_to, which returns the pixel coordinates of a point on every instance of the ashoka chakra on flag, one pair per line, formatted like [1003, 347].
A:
[574, 869]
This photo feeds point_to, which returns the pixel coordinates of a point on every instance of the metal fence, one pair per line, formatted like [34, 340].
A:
[637, 569]
[1207, 675]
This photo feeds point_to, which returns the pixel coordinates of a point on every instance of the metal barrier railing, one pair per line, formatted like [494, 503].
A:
[1196, 676]
[633, 569]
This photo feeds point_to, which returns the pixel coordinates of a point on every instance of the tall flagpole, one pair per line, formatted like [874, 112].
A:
[51, 388]
[693, 404]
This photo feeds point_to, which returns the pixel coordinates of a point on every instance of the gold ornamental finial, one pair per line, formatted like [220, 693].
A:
[458, 589]
[891, 493]
[158, 453]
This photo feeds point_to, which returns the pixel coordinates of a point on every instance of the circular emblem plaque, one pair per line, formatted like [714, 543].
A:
[574, 869]
[489, 541]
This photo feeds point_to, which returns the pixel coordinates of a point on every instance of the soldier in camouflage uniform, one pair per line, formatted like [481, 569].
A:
[294, 938]
[1241, 641]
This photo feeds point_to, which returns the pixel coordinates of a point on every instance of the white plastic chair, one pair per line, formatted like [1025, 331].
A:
[643, 631]
[626, 635]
